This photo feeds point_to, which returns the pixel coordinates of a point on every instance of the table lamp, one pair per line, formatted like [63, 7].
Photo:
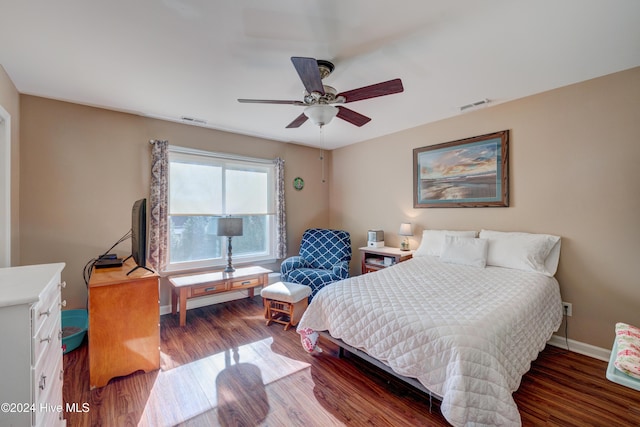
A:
[405, 230]
[229, 227]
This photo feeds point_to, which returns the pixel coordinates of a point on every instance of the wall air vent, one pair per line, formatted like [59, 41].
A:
[474, 104]
[193, 120]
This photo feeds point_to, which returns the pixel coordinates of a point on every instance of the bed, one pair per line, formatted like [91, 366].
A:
[466, 332]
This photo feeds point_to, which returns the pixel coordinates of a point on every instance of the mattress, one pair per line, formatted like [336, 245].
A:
[468, 334]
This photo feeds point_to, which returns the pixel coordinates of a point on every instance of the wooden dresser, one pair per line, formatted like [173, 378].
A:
[31, 371]
[124, 323]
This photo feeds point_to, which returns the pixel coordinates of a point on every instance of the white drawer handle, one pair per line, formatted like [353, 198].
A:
[62, 285]
[63, 303]
[43, 382]
[60, 334]
[47, 339]
[61, 374]
[45, 313]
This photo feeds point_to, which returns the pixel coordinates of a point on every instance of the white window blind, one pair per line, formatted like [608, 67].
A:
[204, 186]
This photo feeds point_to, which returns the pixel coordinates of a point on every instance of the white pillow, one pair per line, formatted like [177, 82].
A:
[523, 251]
[433, 240]
[465, 250]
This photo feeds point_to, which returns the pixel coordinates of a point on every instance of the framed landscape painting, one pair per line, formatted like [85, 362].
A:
[471, 172]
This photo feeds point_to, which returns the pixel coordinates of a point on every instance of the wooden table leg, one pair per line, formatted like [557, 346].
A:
[183, 306]
[174, 301]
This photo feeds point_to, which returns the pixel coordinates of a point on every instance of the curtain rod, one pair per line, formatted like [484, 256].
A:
[185, 150]
[228, 156]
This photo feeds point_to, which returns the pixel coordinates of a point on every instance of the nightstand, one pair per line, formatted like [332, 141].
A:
[374, 259]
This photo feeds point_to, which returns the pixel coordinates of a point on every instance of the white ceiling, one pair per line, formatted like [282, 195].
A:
[193, 58]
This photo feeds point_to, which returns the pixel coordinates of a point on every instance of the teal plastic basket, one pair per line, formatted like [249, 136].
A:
[74, 328]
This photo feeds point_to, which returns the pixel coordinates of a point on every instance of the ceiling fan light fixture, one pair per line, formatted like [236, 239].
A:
[319, 98]
[321, 114]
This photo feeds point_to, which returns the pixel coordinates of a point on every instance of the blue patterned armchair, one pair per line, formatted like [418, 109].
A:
[324, 258]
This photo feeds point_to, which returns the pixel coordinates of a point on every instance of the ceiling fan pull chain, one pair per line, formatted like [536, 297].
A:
[322, 151]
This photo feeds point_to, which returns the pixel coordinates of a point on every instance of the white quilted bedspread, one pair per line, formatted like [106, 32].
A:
[467, 334]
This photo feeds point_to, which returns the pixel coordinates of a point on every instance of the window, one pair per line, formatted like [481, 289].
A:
[204, 186]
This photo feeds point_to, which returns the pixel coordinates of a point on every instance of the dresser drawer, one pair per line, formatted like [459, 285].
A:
[246, 283]
[198, 291]
[53, 416]
[47, 375]
[48, 402]
[48, 337]
[49, 302]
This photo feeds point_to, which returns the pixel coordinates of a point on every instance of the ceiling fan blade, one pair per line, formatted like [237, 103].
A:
[309, 73]
[298, 121]
[270, 101]
[373, 91]
[352, 117]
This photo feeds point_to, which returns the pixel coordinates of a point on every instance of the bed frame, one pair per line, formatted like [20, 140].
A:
[363, 355]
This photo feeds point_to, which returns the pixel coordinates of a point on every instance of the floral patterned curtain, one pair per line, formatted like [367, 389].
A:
[281, 220]
[158, 205]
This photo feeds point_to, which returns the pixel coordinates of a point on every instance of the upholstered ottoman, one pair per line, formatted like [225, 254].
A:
[285, 303]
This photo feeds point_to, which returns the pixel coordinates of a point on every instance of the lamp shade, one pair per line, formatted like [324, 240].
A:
[229, 226]
[321, 114]
[405, 229]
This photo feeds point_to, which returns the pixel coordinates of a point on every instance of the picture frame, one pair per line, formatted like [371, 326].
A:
[471, 172]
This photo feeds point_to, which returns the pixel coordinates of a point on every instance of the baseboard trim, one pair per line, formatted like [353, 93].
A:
[580, 348]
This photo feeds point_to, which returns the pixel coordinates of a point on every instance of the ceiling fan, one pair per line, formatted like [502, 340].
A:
[320, 99]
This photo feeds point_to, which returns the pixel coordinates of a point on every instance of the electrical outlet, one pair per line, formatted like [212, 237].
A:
[567, 308]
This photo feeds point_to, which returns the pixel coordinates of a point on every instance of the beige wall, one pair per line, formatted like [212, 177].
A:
[83, 167]
[10, 101]
[575, 155]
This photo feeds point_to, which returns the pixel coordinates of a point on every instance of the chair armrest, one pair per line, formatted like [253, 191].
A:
[290, 264]
[341, 269]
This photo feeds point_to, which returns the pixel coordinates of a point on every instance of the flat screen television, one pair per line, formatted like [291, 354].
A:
[139, 235]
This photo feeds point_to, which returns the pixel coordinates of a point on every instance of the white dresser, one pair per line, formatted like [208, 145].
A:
[31, 369]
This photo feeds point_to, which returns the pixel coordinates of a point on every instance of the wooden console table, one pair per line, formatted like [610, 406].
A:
[124, 323]
[187, 286]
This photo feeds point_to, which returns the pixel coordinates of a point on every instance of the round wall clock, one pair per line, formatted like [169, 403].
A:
[298, 183]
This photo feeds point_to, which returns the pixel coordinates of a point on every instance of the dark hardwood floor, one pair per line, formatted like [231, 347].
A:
[226, 368]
